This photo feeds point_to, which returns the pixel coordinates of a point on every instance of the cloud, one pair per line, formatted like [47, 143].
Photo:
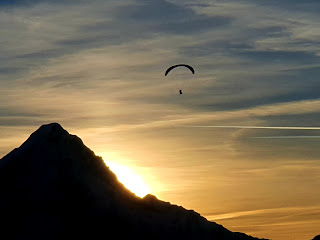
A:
[285, 211]
[105, 61]
[26, 3]
[255, 127]
[98, 69]
[155, 10]
[278, 56]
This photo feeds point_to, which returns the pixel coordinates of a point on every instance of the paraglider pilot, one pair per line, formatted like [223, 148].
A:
[180, 91]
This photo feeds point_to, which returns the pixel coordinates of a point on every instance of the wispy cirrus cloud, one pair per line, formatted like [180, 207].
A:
[98, 69]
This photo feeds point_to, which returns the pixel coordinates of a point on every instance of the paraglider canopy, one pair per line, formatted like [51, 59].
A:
[179, 65]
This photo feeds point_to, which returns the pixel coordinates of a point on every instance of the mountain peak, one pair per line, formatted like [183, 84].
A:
[50, 132]
[58, 188]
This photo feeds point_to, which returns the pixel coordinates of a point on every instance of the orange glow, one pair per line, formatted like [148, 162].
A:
[130, 180]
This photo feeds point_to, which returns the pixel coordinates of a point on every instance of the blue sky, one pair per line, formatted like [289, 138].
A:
[98, 69]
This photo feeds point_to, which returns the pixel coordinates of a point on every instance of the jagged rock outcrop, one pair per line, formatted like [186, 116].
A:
[54, 187]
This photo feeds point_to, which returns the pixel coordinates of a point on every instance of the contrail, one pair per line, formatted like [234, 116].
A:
[252, 127]
[286, 137]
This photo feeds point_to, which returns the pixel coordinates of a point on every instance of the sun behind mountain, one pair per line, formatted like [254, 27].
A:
[130, 180]
[54, 187]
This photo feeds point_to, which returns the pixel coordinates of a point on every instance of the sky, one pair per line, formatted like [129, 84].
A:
[240, 145]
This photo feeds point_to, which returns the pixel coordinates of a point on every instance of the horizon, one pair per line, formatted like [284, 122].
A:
[239, 146]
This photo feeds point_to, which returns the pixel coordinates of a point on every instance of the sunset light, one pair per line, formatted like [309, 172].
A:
[211, 106]
[130, 180]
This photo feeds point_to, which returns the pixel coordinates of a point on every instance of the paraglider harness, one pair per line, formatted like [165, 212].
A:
[180, 91]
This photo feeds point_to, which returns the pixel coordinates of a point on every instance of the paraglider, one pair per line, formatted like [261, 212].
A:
[179, 65]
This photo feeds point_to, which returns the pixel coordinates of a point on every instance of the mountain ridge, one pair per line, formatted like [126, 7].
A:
[54, 187]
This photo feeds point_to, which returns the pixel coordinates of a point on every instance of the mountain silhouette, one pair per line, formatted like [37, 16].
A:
[54, 187]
